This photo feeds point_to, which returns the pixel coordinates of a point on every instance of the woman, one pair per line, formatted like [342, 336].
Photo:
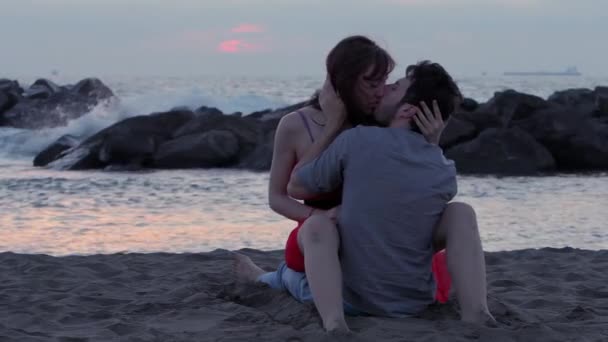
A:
[357, 68]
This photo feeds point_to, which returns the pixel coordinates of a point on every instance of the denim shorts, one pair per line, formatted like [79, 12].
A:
[286, 279]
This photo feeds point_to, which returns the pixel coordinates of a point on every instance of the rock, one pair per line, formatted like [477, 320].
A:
[502, 151]
[577, 143]
[260, 158]
[10, 94]
[601, 103]
[277, 113]
[480, 120]
[142, 132]
[513, 133]
[41, 89]
[469, 105]
[92, 88]
[5, 102]
[47, 105]
[603, 91]
[54, 150]
[259, 114]
[215, 148]
[9, 86]
[501, 109]
[511, 105]
[246, 130]
[127, 150]
[573, 97]
[209, 110]
[457, 131]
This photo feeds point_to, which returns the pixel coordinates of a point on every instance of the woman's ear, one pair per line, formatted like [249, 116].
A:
[405, 111]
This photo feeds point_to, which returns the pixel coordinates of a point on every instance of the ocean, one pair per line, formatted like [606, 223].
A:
[63, 213]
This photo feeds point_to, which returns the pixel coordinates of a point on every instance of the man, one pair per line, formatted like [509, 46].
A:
[396, 186]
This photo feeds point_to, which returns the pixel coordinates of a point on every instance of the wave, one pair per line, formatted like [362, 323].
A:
[24, 144]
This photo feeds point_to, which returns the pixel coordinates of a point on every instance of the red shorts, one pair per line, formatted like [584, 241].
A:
[295, 260]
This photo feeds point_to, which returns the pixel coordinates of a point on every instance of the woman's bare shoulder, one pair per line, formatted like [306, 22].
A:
[292, 122]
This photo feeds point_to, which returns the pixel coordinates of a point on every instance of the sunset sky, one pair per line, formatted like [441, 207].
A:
[292, 37]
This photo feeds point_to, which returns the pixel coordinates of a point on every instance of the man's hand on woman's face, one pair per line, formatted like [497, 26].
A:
[430, 122]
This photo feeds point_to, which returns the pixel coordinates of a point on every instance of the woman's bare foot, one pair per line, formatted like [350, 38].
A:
[245, 270]
[483, 317]
[337, 326]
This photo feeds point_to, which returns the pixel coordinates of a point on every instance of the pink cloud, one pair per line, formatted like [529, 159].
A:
[247, 28]
[237, 46]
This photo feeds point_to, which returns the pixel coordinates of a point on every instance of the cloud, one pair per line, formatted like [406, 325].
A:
[238, 46]
[247, 28]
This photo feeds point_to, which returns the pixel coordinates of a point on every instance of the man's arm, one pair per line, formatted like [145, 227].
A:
[322, 175]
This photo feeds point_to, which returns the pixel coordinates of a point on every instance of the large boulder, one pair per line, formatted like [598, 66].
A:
[132, 140]
[204, 110]
[54, 150]
[501, 109]
[245, 129]
[260, 158]
[42, 89]
[128, 150]
[601, 102]
[10, 94]
[469, 105]
[457, 131]
[577, 143]
[92, 88]
[216, 148]
[10, 86]
[508, 151]
[572, 97]
[47, 105]
[5, 102]
[278, 113]
[512, 105]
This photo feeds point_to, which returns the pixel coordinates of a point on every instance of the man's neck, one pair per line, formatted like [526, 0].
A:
[397, 123]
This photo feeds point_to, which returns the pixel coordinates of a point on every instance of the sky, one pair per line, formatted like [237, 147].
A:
[292, 37]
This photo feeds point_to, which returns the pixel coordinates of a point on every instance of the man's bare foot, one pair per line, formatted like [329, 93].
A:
[245, 270]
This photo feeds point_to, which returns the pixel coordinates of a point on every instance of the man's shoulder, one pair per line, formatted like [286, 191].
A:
[363, 131]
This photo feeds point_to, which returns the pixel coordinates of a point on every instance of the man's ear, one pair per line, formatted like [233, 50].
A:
[401, 113]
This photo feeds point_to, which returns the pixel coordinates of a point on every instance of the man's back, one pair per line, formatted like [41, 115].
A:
[396, 186]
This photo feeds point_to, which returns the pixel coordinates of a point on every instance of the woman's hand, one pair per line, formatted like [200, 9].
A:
[332, 106]
[430, 122]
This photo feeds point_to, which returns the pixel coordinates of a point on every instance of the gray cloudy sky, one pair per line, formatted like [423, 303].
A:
[287, 37]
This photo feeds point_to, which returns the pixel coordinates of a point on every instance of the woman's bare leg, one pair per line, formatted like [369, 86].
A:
[457, 231]
[319, 241]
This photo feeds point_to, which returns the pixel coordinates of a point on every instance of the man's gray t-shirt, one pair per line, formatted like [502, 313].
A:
[395, 187]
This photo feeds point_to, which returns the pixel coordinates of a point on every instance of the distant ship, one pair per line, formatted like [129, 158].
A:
[571, 71]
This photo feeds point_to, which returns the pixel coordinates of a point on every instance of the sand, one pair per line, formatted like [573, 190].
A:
[536, 295]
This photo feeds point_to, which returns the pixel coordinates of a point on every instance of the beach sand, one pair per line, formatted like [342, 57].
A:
[536, 295]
